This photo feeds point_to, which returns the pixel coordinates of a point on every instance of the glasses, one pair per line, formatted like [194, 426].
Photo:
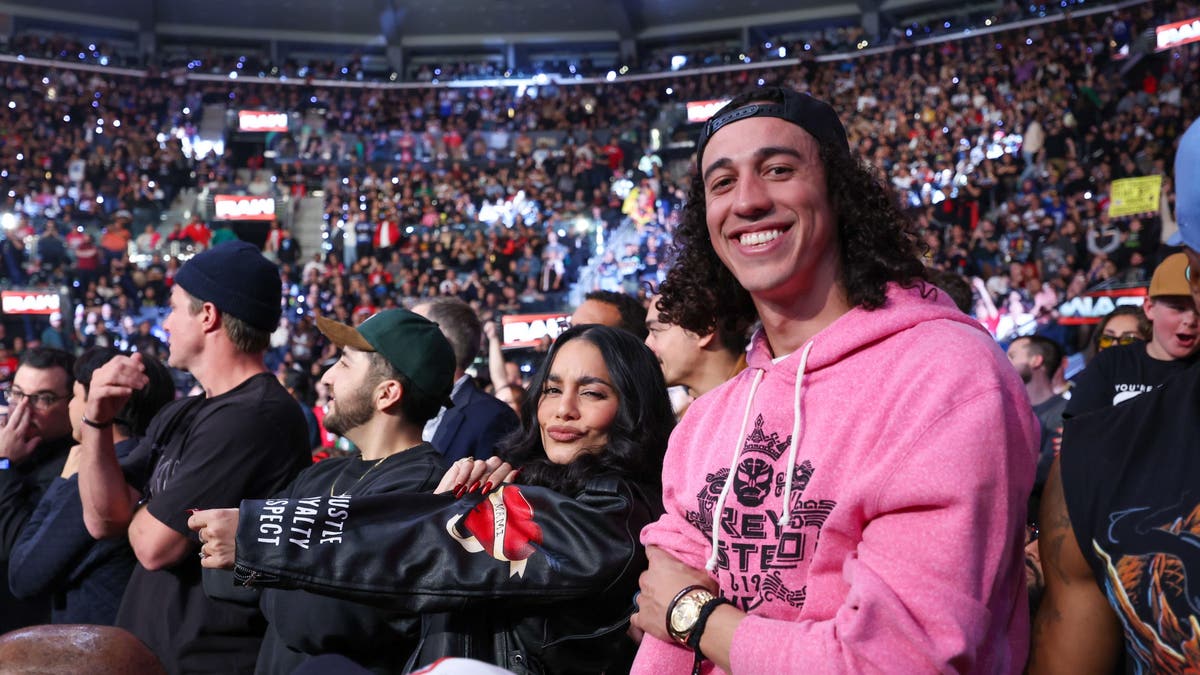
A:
[40, 400]
[1107, 341]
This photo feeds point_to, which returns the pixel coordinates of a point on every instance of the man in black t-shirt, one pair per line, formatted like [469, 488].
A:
[244, 437]
[395, 372]
[1120, 522]
[1120, 373]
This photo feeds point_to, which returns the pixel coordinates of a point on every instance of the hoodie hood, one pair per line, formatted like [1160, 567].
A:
[860, 328]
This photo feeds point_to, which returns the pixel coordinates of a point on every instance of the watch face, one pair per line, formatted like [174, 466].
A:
[684, 617]
[687, 611]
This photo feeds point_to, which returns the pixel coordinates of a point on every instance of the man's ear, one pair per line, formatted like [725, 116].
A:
[705, 340]
[388, 394]
[210, 317]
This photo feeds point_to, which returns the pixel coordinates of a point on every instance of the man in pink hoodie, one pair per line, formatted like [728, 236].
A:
[854, 501]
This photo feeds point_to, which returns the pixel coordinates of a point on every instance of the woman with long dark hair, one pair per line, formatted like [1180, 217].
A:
[537, 575]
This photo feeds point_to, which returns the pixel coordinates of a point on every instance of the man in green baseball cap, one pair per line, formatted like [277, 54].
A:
[413, 345]
[395, 372]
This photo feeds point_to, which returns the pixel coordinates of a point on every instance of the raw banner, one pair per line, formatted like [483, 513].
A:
[525, 330]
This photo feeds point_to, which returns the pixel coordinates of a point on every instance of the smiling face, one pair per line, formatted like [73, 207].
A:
[578, 403]
[768, 211]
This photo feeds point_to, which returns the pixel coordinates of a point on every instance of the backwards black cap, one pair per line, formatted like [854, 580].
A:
[811, 114]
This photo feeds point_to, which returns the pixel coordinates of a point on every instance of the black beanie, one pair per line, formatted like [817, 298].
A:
[236, 278]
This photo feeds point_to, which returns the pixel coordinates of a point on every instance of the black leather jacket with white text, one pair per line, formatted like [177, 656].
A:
[523, 577]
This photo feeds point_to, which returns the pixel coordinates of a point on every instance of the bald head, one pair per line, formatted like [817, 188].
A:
[98, 650]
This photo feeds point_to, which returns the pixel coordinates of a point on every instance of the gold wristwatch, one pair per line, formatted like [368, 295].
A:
[685, 611]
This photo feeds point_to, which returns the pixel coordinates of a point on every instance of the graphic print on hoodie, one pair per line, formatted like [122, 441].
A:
[754, 545]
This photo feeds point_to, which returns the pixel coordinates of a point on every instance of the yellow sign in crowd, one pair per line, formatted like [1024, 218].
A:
[1131, 196]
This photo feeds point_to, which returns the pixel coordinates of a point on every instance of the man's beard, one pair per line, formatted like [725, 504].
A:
[349, 413]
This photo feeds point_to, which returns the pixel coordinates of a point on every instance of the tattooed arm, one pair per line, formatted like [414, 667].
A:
[1076, 630]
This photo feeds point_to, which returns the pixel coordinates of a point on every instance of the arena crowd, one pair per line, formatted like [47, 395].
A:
[968, 190]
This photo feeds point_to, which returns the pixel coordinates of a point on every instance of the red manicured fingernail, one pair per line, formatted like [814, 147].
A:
[474, 487]
[487, 487]
[460, 490]
[191, 511]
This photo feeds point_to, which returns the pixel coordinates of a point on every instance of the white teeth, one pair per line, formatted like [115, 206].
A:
[758, 238]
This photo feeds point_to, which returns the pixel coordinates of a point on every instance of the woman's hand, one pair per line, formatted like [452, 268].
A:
[217, 529]
[468, 474]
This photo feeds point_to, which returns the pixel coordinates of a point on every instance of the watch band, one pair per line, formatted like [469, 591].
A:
[697, 633]
[702, 621]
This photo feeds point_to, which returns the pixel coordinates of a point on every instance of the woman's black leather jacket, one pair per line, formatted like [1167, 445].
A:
[523, 577]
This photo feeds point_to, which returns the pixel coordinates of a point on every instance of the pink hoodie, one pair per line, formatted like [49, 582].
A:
[904, 499]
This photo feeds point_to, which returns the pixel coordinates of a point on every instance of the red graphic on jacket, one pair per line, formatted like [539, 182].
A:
[502, 525]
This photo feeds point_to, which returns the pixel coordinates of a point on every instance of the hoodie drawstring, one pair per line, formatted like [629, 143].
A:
[711, 565]
[795, 441]
[737, 452]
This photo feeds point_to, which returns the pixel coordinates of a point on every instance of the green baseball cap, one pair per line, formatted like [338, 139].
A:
[413, 345]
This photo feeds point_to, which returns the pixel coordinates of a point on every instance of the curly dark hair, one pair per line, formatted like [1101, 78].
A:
[876, 239]
[637, 439]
